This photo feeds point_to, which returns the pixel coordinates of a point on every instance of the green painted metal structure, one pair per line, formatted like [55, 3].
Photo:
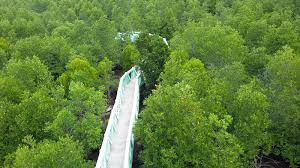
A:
[104, 153]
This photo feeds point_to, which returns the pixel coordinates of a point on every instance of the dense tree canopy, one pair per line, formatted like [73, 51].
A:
[82, 119]
[283, 72]
[50, 85]
[63, 153]
[215, 45]
[191, 138]
[222, 92]
[154, 53]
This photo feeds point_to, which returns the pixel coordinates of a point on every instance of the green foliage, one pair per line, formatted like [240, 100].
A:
[104, 33]
[33, 114]
[173, 66]
[40, 6]
[163, 23]
[63, 153]
[234, 75]
[130, 57]
[11, 90]
[251, 120]
[30, 73]
[8, 139]
[283, 68]
[4, 56]
[28, 117]
[91, 41]
[214, 45]
[5, 28]
[180, 69]
[243, 16]
[82, 119]
[154, 53]
[228, 92]
[21, 114]
[219, 98]
[175, 132]
[105, 72]
[79, 70]
[37, 40]
[283, 71]
[25, 26]
[63, 124]
[276, 38]
[222, 88]
[84, 99]
[256, 31]
[256, 62]
[53, 52]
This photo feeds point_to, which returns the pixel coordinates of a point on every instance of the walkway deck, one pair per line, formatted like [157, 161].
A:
[117, 152]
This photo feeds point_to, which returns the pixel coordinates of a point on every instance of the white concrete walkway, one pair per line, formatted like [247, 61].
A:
[117, 152]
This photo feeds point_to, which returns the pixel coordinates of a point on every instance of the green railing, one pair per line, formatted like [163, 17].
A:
[134, 115]
[113, 120]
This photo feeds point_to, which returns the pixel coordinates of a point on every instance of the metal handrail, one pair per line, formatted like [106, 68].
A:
[114, 118]
[130, 138]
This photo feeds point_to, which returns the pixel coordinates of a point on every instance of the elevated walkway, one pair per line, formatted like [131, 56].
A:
[117, 146]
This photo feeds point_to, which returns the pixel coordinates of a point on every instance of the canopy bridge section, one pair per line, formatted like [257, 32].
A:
[118, 142]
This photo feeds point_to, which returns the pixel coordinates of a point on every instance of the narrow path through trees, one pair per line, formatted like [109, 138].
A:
[117, 146]
[117, 152]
